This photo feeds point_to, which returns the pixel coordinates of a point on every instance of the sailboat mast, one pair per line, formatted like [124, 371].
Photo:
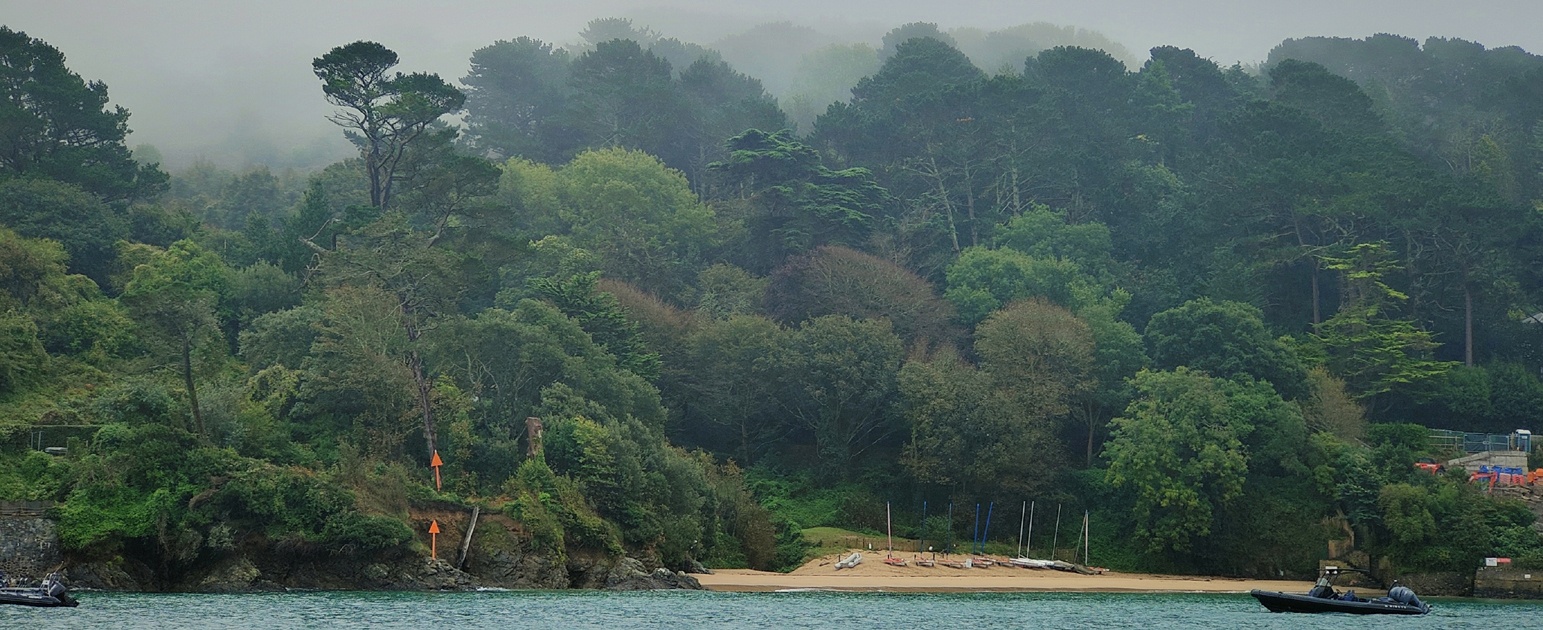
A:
[923, 539]
[948, 540]
[987, 531]
[1022, 515]
[1055, 540]
[975, 533]
[1028, 543]
[1085, 537]
[889, 532]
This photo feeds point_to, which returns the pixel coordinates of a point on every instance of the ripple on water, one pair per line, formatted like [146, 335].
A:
[690, 609]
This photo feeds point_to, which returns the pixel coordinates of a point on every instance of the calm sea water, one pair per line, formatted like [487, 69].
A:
[677, 609]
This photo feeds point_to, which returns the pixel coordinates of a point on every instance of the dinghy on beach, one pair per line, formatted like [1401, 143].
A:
[850, 561]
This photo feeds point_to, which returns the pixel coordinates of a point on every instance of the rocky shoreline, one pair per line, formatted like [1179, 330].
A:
[241, 574]
[499, 559]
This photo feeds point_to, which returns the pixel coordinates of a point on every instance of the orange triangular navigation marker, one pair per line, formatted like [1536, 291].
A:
[436, 461]
[433, 538]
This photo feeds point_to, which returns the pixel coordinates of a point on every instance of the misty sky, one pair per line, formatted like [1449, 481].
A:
[202, 76]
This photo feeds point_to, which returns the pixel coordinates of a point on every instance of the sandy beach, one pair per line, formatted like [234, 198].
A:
[874, 575]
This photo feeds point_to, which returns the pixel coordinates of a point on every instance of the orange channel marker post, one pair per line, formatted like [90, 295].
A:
[434, 539]
[436, 462]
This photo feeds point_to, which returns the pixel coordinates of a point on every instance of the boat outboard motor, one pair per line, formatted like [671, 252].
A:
[52, 586]
[1404, 595]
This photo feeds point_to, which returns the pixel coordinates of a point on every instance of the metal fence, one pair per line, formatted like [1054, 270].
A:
[1458, 441]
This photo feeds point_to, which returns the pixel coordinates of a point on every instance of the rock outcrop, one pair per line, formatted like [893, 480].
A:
[629, 574]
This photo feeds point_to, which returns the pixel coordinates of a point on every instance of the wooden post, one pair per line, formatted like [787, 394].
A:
[476, 511]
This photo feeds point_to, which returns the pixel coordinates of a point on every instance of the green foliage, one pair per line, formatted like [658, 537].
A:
[983, 280]
[383, 114]
[1227, 340]
[599, 314]
[555, 512]
[360, 533]
[1452, 526]
[1395, 447]
[515, 91]
[833, 280]
[725, 290]
[734, 386]
[798, 500]
[650, 262]
[838, 376]
[86, 227]
[1371, 350]
[21, 354]
[32, 476]
[1179, 448]
[800, 203]
[59, 127]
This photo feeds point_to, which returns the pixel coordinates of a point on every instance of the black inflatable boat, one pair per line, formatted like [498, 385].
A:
[1322, 599]
[49, 593]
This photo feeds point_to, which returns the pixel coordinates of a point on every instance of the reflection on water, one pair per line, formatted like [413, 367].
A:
[676, 609]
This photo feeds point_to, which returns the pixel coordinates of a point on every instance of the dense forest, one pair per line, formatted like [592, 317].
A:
[1216, 307]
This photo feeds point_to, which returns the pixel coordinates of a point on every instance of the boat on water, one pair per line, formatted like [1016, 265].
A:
[1400, 600]
[50, 593]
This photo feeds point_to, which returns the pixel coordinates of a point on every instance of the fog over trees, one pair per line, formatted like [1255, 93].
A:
[770, 277]
[219, 81]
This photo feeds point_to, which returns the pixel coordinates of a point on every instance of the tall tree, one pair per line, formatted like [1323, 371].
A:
[623, 96]
[1367, 344]
[382, 113]
[638, 216]
[839, 381]
[720, 103]
[76, 219]
[1179, 449]
[835, 280]
[55, 125]
[1225, 340]
[173, 297]
[515, 94]
[733, 391]
[798, 203]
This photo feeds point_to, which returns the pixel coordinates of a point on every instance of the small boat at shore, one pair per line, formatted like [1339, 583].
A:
[850, 561]
[50, 593]
[1400, 600]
